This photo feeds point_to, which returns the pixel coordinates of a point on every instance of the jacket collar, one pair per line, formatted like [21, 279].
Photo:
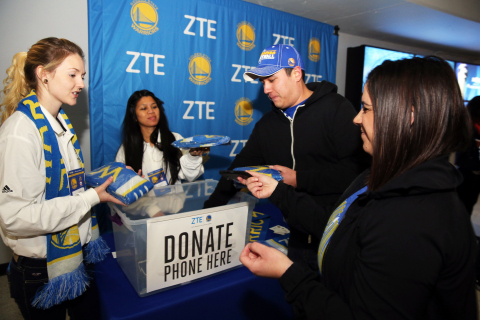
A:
[436, 175]
[319, 89]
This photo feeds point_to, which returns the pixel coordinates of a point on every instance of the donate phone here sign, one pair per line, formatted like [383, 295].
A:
[189, 248]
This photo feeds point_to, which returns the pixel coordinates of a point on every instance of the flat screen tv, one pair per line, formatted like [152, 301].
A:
[363, 59]
[468, 76]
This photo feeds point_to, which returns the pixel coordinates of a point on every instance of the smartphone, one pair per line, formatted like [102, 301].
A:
[233, 175]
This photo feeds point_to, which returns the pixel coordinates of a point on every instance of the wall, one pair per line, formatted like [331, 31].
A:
[24, 22]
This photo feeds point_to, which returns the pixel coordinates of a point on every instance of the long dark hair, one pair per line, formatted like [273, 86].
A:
[133, 138]
[441, 123]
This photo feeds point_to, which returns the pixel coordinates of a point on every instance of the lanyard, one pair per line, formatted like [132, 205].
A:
[332, 225]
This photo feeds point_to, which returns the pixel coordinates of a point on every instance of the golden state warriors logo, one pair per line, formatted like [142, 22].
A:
[291, 62]
[74, 184]
[314, 50]
[245, 36]
[144, 16]
[209, 218]
[66, 239]
[200, 69]
[243, 111]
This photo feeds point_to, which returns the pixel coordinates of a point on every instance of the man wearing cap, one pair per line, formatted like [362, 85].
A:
[308, 136]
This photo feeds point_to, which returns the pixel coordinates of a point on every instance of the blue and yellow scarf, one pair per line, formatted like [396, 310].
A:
[66, 272]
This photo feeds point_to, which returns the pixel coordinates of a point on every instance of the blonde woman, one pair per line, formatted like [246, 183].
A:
[44, 205]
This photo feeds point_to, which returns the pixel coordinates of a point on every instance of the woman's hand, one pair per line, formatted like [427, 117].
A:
[104, 195]
[158, 214]
[264, 261]
[261, 186]
[139, 171]
[198, 151]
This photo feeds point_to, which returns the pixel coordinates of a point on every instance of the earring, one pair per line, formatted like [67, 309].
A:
[45, 81]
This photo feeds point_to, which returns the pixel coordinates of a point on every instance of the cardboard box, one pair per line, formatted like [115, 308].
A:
[166, 239]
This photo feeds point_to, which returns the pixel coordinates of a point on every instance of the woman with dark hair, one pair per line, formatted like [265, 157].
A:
[44, 206]
[147, 143]
[399, 244]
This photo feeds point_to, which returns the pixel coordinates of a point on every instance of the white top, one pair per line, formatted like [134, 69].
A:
[25, 216]
[190, 166]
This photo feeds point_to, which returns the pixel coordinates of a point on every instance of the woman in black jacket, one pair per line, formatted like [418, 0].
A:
[399, 244]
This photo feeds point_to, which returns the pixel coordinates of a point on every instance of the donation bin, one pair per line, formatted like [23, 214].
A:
[165, 238]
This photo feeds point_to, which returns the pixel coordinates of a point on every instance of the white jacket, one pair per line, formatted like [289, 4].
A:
[25, 216]
[190, 166]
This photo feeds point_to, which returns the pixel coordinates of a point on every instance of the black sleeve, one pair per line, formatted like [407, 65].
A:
[308, 296]
[404, 262]
[300, 210]
[250, 155]
[303, 213]
[350, 158]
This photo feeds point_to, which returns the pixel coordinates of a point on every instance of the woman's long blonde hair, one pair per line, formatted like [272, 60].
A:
[48, 53]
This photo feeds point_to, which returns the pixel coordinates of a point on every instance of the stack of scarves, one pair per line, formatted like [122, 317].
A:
[66, 272]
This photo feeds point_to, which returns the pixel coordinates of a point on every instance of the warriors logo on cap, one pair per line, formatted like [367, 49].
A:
[274, 59]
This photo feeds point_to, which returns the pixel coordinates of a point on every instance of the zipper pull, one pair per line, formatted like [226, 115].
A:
[309, 238]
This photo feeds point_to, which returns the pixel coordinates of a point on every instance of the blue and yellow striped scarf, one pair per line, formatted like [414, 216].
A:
[66, 271]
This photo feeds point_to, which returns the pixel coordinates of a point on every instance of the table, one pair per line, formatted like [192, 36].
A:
[234, 294]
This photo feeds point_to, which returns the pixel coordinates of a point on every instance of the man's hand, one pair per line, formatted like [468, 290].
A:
[289, 175]
[261, 186]
[104, 195]
[264, 261]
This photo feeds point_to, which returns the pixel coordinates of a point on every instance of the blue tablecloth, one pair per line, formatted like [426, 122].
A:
[235, 294]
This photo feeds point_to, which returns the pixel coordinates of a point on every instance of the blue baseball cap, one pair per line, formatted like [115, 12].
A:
[274, 59]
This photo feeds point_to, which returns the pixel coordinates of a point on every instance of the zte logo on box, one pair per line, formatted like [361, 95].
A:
[199, 220]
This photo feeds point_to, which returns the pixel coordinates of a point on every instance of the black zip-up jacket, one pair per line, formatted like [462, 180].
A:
[322, 144]
[406, 251]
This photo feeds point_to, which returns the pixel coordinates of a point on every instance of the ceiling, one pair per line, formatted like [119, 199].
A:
[451, 26]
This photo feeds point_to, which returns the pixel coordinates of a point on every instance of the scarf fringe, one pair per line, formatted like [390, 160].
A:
[67, 286]
[96, 251]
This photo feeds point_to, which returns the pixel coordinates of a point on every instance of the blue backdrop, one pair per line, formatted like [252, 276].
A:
[192, 54]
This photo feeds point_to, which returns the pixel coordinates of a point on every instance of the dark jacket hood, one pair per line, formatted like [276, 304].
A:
[436, 175]
[320, 89]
